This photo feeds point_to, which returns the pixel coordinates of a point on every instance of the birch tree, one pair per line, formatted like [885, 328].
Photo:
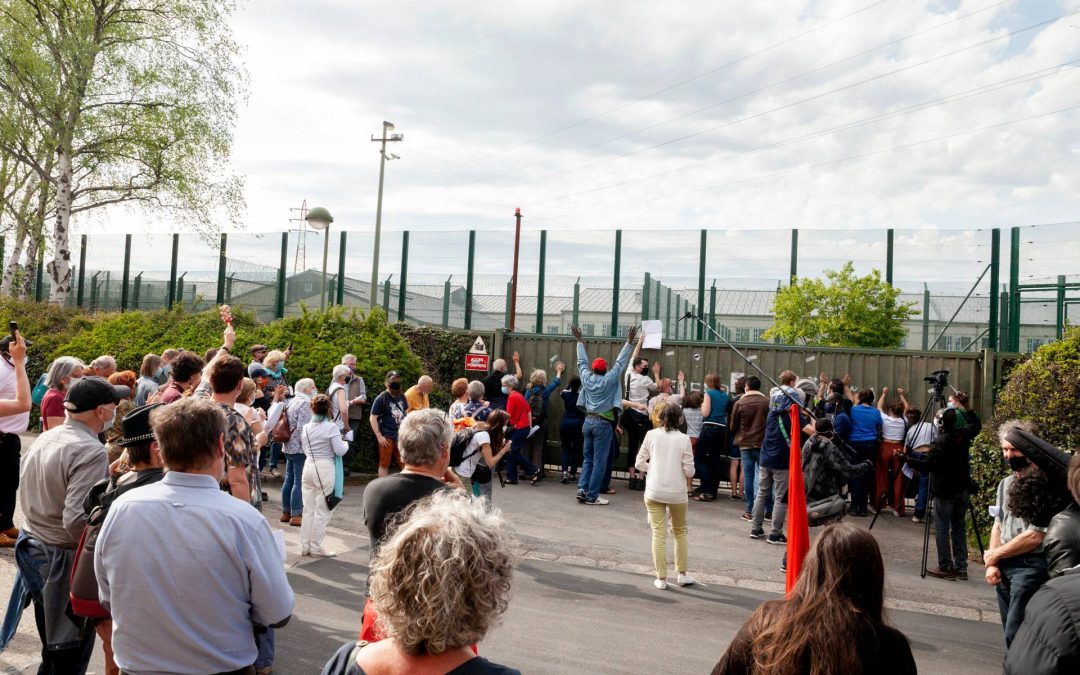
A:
[136, 102]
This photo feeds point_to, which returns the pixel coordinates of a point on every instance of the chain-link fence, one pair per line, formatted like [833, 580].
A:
[1010, 289]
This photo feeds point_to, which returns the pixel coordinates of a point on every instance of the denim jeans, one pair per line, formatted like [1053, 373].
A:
[264, 642]
[750, 457]
[291, 498]
[613, 454]
[514, 458]
[771, 482]
[270, 452]
[949, 529]
[1021, 577]
[924, 489]
[597, 433]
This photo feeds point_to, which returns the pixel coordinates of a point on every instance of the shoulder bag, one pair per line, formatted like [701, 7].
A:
[332, 499]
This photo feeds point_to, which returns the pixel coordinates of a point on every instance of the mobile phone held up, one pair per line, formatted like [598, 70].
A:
[13, 326]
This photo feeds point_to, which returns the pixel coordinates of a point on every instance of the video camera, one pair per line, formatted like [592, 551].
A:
[939, 379]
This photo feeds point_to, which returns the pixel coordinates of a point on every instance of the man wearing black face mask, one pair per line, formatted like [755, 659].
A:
[1015, 562]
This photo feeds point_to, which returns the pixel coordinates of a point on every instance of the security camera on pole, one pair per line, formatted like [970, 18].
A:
[387, 137]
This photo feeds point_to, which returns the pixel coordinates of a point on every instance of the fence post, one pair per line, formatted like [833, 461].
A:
[577, 300]
[712, 311]
[172, 270]
[127, 273]
[108, 280]
[1003, 329]
[888, 256]
[469, 280]
[94, 292]
[667, 308]
[1014, 289]
[228, 287]
[220, 295]
[404, 275]
[1060, 305]
[40, 276]
[340, 298]
[331, 290]
[925, 318]
[135, 291]
[179, 286]
[82, 271]
[540, 284]
[509, 295]
[386, 297]
[446, 302]
[794, 255]
[279, 296]
[615, 288]
[646, 291]
[701, 281]
[995, 280]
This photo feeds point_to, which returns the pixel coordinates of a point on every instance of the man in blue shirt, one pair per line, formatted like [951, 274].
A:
[600, 397]
[185, 568]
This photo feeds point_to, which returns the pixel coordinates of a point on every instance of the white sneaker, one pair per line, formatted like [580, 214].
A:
[685, 580]
[660, 583]
[316, 553]
[895, 513]
[600, 501]
[916, 519]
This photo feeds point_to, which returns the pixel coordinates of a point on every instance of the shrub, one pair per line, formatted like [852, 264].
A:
[1044, 388]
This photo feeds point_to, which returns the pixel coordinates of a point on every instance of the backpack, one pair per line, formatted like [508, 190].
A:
[461, 443]
[536, 406]
[39, 390]
[83, 582]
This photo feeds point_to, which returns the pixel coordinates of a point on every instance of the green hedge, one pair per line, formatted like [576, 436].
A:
[1044, 388]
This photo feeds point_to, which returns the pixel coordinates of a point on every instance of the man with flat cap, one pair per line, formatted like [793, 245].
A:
[56, 475]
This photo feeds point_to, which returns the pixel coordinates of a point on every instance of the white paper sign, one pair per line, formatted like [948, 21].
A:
[653, 332]
[732, 378]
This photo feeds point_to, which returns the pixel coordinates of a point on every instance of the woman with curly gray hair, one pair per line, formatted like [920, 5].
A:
[438, 585]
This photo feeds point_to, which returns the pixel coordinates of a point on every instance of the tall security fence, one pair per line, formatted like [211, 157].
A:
[1008, 289]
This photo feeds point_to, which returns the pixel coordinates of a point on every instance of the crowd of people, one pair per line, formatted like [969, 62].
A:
[128, 462]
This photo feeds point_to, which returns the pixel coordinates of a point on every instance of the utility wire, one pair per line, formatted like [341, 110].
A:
[664, 90]
[758, 90]
[841, 160]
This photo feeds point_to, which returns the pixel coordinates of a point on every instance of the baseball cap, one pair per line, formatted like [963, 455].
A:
[258, 348]
[87, 393]
[599, 363]
[136, 425]
[393, 373]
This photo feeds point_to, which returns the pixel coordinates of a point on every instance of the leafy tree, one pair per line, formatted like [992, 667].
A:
[843, 310]
[120, 101]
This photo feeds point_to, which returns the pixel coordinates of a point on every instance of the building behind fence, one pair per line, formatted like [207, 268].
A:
[1002, 289]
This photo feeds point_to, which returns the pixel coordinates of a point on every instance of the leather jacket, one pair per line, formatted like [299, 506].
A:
[1062, 541]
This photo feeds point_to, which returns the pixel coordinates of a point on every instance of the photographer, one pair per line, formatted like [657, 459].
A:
[947, 463]
[14, 418]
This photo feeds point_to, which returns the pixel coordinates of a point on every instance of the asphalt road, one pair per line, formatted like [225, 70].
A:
[583, 600]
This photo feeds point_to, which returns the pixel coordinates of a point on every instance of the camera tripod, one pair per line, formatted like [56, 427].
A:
[934, 404]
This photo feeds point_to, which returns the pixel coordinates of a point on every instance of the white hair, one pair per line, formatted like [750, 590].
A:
[62, 367]
[340, 371]
[347, 357]
[103, 362]
[306, 385]
[510, 382]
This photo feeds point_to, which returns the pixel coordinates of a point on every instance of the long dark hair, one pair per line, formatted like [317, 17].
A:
[575, 384]
[496, 424]
[839, 595]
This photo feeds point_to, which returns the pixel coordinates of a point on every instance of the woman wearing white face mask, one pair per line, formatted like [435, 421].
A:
[62, 372]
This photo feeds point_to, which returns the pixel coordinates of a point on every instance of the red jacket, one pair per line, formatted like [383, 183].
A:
[518, 409]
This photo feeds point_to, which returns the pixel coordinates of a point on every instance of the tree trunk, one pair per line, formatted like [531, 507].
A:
[13, 263]
[30, 266]
[59, 267]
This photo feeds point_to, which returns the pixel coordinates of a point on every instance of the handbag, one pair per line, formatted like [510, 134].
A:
[826, 510]
[481, 474]
[281, 433]
[332, 499]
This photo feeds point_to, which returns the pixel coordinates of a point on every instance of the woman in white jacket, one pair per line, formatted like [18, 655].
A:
[321, 441]
[668, 460]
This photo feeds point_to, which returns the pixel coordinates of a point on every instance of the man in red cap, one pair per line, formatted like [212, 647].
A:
[600, 398]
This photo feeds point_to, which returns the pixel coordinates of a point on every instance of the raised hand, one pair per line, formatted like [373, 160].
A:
[517, 357]
[631, 334]
[823, 378]
[899, 391]
[560, 366]
[576, 332]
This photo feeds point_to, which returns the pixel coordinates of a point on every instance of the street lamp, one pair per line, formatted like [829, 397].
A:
[319, 219]
[387, 137]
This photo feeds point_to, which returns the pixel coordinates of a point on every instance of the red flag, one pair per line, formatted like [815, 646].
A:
[798, 524]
